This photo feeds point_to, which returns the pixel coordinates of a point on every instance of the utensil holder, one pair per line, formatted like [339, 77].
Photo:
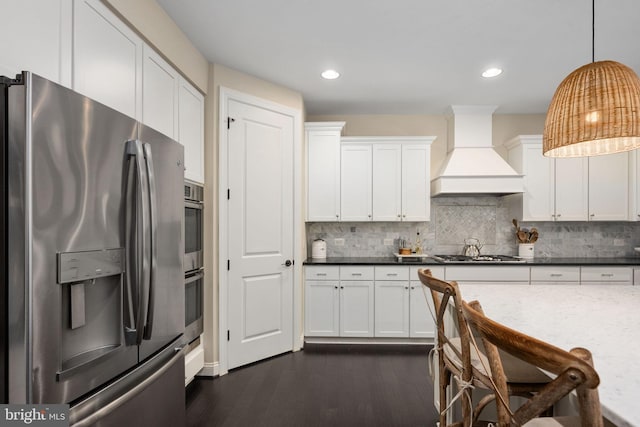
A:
[526, 250]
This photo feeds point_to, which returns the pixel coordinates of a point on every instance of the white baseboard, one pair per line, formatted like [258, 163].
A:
[210, 370]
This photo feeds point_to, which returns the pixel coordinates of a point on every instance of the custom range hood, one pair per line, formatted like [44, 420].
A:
[472, 166]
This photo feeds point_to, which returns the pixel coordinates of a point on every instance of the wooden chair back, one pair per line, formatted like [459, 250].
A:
[449, 327]
[573, 369]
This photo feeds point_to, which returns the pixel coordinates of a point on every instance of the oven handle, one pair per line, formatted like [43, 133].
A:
[192, 277]
[193, 205]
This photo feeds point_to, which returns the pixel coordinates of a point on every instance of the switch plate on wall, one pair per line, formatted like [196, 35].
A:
[338, 242]
[388, 242]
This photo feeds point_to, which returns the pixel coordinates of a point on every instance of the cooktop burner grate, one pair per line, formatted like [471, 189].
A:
[481, 258]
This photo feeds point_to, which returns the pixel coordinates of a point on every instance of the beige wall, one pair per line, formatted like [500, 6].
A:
[220, 76]
[505, 127]
[153, 24]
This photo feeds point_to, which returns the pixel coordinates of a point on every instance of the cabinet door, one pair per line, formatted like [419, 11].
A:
[159, 94]
[392, 309]
[356, 308]
[191, 130]
[572, 189]
[355, 182]
[323, 174]
[416, 182]
[387, 182]
[421, 312]
[321, 312]
[36, 37]
[107, 58]
[539, 191]
[609, 187]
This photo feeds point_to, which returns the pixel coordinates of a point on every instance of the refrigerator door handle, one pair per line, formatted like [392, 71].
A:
[137, 247]
[148, 328]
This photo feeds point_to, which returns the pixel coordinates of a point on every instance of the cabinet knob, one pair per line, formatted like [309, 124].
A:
[399, 215]
[558, 215]
[336, 286]
[592, 215]
[337, 216]
[406, 287]
[404, 216]
[369, 215]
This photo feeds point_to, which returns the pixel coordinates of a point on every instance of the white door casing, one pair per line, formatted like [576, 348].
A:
[258, 298]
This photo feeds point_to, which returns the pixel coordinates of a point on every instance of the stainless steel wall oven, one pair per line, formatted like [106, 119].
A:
[193, 260]
[193, 197]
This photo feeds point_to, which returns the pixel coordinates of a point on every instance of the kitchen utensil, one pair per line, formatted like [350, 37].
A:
[471, 247]
[523, 236]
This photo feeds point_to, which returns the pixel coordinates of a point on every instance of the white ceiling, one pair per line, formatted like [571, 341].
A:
[411, 56]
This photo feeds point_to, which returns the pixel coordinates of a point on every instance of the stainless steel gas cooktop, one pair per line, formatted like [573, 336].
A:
[478, 259]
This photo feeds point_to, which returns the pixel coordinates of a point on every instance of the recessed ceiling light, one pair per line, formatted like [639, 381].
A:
[491, 72]
[330, 74]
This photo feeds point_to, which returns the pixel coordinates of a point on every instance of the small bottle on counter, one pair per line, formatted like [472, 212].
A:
[418, 245]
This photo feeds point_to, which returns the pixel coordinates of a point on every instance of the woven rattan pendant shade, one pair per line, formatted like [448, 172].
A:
[595, 110]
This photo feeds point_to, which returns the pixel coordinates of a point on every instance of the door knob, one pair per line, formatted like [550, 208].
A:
[287, 263]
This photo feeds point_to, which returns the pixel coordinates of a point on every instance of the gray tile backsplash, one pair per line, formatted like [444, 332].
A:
[487, 218]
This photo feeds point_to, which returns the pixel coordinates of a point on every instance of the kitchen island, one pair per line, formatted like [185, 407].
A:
[603, 319]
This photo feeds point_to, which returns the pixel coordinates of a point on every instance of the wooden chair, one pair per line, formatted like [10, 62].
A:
[458, 358]
[573, 370]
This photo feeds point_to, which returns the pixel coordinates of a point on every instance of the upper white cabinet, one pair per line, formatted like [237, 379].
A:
[37, 38]
[537, 203]
[107, 58]
[609, 187]
[159, 93]
[323, 170]
[568, 189]
[355, 182]
[572, 189]
[191, 130]
[392, 184]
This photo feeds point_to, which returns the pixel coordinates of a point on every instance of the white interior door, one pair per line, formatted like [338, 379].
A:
[260, 233]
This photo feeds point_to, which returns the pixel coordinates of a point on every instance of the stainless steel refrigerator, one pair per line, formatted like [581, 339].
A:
[92, 249]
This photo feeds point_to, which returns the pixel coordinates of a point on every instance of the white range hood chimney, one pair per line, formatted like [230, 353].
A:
[472, 166]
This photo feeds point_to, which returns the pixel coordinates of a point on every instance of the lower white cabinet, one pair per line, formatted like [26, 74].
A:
[555, 275]
[402, 308]
[606, 275]
[339, 308]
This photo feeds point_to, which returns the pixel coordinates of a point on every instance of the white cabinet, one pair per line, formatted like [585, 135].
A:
[191, 129]
[37, 37]
[387, 182]
[606, 275]
[339, 301]
[393, 184]
[609, 187]
[568, 189]
[392, 301]
[416, 181]
[537, 202]
[493, 274]
[355, 182]
[322, 301]
[159, 93]
[634, 187]
[572, 189]
[107, 58]
[402, 307]
[560, 275]
[323, 170]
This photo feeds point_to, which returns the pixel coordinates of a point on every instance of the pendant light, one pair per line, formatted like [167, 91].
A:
[595, 110]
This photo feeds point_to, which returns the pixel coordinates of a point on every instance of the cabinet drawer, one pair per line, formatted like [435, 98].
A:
[392, 273]
[356, 272]
[497, 274]
[436, 271]
[606, 274]
[555, 274]
[321, 273]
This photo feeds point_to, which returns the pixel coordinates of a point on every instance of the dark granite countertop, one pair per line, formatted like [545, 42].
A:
[627, 261]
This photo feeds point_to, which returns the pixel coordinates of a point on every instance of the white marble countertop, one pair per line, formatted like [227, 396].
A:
[603, 319]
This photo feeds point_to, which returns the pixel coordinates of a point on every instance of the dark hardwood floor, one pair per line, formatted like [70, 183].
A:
[338, 385]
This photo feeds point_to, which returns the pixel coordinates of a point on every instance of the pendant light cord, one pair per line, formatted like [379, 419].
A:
[593, 31]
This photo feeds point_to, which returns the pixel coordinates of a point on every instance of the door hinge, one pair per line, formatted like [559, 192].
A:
[228, 335]
[229, 121]
[228, 264]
